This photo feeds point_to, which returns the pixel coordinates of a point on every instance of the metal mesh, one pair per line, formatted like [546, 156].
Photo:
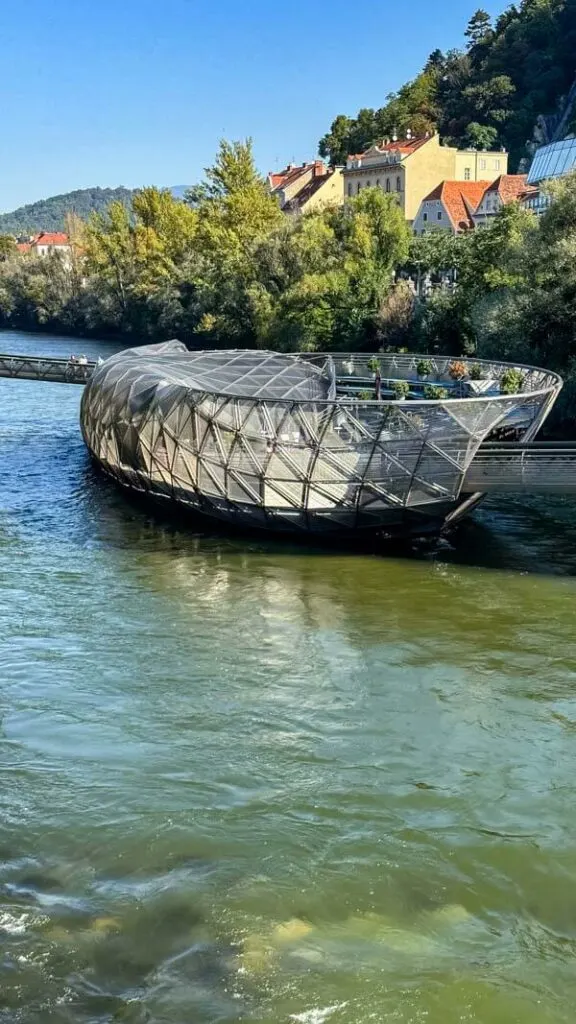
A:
[277, 441]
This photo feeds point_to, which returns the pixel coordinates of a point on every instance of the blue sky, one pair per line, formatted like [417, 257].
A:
[134, 92]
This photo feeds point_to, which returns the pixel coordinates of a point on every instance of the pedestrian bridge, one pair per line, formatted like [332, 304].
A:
[61, 371]
[509, 467]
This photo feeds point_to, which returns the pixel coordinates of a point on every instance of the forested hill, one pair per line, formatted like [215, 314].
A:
[490, 93]
[50, 214]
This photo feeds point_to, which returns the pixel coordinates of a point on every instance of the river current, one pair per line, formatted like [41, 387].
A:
[247, 781]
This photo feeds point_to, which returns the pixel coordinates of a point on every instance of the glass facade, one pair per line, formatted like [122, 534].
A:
[552, 161]
[296, 442]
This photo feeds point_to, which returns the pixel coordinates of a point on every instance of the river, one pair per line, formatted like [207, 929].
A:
[246, 781]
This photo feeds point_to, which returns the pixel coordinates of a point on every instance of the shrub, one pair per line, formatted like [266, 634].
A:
[373, 364]
[424, 367]
[401, 389]
[511, 381]
[433, 392]
[458, 370]
[476, 372]
[366, 396]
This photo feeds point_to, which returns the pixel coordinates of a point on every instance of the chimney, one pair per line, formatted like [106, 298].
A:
[319, 169]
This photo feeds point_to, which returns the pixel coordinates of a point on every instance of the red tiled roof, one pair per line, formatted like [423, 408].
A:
[459, 198]
[51, 238]
[280, 179]
[508, 186]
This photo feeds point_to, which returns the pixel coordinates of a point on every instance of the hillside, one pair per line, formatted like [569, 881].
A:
[511, 74]
[50, 214]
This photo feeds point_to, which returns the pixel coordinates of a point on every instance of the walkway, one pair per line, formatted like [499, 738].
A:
[540, 468]
[62, 371]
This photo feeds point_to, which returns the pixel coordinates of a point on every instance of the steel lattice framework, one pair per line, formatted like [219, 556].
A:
[283, 442]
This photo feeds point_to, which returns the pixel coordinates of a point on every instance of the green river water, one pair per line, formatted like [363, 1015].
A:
[244, 781]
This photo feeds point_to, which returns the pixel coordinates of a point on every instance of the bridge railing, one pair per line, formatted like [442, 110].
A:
[538, 467]
[60, 370]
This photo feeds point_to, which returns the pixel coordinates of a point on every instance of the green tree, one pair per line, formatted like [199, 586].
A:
[479, 28]
[7, 247]
[480, 136]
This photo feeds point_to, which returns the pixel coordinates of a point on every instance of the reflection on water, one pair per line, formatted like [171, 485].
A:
[245, 780]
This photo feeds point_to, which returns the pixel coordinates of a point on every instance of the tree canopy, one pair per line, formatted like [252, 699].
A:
[490, 93]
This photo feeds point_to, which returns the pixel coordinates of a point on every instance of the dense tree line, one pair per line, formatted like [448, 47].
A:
[511, 71]
[228, 269]
[50, 214]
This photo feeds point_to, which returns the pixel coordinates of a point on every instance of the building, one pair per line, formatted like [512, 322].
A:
[551, 161]
[412, 167]
[48, 242]
[450, 207]
[308, 186]
[323, 190]
[508, 188]
[45, 243]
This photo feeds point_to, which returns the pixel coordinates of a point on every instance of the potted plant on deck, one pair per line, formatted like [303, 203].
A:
[434, 393]
[511, 381]
[424, 367]
[401, 389]
[458, 370]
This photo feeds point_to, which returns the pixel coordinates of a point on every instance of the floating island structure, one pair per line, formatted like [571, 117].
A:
[330, 444]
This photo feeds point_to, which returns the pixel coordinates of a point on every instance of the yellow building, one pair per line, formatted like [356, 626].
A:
[307, 187]
[413, 167]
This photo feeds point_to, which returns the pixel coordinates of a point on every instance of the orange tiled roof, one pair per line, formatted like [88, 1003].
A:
[280, 179]
[508, 186]
[51, 238]
[459, 198]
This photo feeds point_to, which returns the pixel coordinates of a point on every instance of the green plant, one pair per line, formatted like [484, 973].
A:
[511, 381]
[373, 364]
[434, 393]
[401, 389]
[457, 369]
[476, 372]
[424, 367]
[366, 396]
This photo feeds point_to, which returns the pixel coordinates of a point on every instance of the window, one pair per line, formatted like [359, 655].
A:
[482, 165]
[439, 214]
[398, 184]
[387, 184]
[466, 174]
[377, 182]
[424, 216]
[367, 184]
[496, 165]
[349, 188]
[358, 187]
